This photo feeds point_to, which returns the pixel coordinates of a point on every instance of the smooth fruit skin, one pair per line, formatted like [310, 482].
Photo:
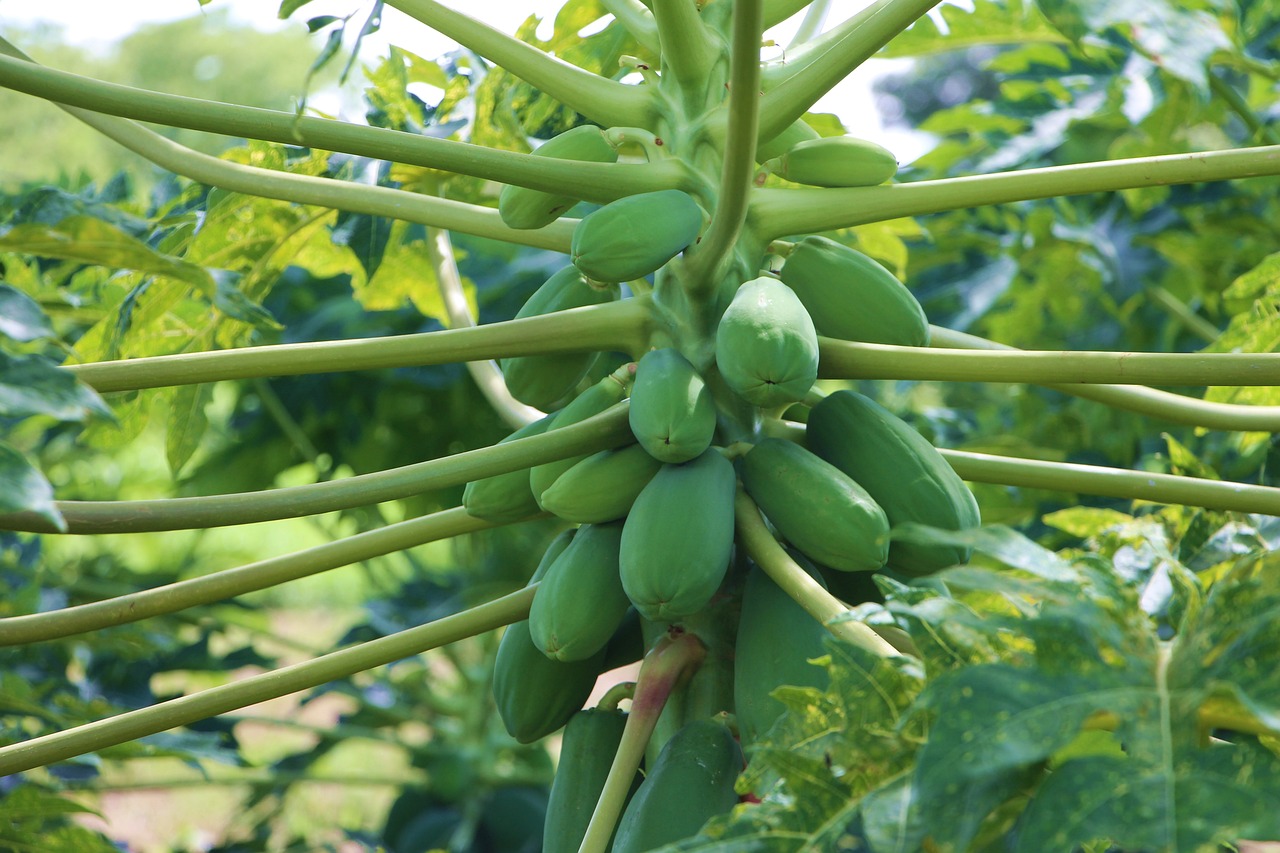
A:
[766, 344]
[905, 474]
[634, 236]
[590, 741]
[672, 414]
[536, 695]
[690, 783]
[524, 208]
[678, 537]
[853, 298]
[816, 506]
[580, 602]
[837, 161]
[601, 487]
[609, 391]
[505, 497]
[541, 380]
[776, 639]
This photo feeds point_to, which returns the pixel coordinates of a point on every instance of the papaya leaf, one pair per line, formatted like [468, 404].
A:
[24, 489]
[187, 424]
[987, 23]
[33, 385]
[21, 318]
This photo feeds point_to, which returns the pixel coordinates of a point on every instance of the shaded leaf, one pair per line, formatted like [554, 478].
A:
[33, 385]
[24, 489]
[21, 318]
[187, 424]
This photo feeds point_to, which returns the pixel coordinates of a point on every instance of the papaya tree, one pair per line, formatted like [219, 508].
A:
[732, 391]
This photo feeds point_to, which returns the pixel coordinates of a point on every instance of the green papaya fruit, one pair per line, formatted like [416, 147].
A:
[672, 414]
[540, 380]
[580, 602]
[586, 752]
[798, 131]
[853, 298]
[678, 537]
[776, 639]
[691, 782]
[902, 471]
[817, 507]
[514, 819]
[766, 345]
[633, 236]
[836, 161]
[607, 392]
[601, 487]
[524, 208]
[505, 497]
[536, 695]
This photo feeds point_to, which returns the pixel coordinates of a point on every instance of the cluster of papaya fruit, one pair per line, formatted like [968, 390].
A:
[654, 541]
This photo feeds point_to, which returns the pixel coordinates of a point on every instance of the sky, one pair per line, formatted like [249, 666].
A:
[97, 24]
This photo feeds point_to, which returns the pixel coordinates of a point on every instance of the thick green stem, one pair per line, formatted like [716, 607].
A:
[219, 586]
[687, 49]
[801, 89]
[606, 102]
[740, 151]
[799, 56]
[638, 21]
[485, 373]
[777, 11]
[782, 212]
[602, 432]
[1114, 483]
[668, 665]
[160, 717]
[616, 325]
[846, 360]
[815, 18]
[1135, 398]
[600, 182]
[766, 553]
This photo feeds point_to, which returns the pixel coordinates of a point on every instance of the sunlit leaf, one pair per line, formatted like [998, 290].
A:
[21, 318]
[24, 489]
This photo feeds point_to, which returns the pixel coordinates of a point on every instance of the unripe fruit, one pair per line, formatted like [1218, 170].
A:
[524, 208]
[836, 161]
[905, 474]
[601, 487]
[635, 235]
[678, 537]
[540, 380]
[580, 603]
[766, 345]
[672, 414]
[605, 393]
[816, 506]
[798, 131]
[505, 497]
[853, 298]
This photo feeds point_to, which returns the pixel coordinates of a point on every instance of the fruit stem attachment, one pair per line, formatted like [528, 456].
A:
[131, 725]
[739, 154]
[766, 553]
[666, 667]
[616, 694]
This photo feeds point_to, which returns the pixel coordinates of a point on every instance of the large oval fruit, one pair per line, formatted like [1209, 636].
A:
[690, 783]
[540, 380]
[633, 236]
[678, 537]
[607, 392]
[766, 345]
[836, 161]
[816, 506]
[524, 208]
[590, 741]
[580, 601]
[505, 497]
[905, 474]
[601, 487]
[776, 639]
[536, 695]
[672, 414]
[853, 298]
